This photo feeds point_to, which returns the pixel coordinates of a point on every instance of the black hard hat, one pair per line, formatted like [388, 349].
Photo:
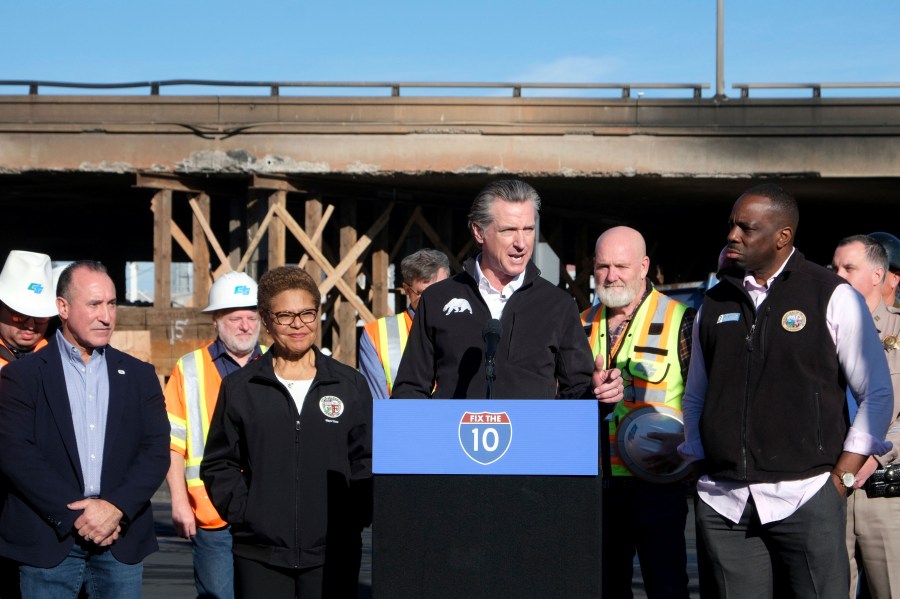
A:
[891, 246]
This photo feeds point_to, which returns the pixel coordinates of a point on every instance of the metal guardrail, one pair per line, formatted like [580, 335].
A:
[815, 87]
[395, 87]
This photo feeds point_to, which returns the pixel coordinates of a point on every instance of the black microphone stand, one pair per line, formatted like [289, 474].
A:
[490, 372]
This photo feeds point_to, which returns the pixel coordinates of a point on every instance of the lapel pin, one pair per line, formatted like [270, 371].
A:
[121, 372]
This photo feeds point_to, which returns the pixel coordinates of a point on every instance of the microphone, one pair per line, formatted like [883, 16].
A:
[493, 329]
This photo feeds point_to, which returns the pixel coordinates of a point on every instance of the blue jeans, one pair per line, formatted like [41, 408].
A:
[213, 564]
[101, 573]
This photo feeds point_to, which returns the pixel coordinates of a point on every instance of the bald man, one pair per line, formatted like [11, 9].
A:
[648, 337]
[776, 343]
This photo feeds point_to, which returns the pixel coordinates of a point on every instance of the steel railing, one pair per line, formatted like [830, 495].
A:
[815, 87]
[275, 87]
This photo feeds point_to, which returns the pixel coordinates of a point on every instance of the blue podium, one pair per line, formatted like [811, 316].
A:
[478, 498]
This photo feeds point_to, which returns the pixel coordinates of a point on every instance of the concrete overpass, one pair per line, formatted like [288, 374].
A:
[78, 173]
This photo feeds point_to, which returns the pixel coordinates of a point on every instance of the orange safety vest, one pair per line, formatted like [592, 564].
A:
[389, 336]
[4, 361]
[191, 395]
[647, 355]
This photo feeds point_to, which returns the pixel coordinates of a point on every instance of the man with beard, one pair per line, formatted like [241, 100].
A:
[776, 343]
[648, 337]
[191, 395]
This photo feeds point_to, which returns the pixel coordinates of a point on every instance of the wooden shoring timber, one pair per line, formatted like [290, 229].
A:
[378, 289]
[350, 257]
[315, 221]
[177, 234]
[261, 231]
[200, 255]
[417, 218]
[277, 236]
[162, 248]
[317, 233]
[438, 243]
[317, 257]
[210, 237]
[348, 267]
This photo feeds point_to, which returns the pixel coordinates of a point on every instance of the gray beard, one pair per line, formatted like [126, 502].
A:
[616, 297]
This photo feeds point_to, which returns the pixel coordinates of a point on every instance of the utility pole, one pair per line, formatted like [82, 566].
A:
[720, 49]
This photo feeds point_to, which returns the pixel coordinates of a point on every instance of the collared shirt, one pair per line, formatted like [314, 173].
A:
[496, 298]
[857, 348]
[225, 363]
[88, 389]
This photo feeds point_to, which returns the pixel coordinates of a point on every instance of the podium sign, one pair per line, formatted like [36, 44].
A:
[530, 437]
[477, 498]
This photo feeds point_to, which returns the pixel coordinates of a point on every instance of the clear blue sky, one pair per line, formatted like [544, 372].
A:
[617, 41]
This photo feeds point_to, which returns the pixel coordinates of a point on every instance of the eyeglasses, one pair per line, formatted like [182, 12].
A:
[21, 318]
[286, 319]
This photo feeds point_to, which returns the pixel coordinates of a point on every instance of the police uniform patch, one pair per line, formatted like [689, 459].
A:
[331, 406]
[793, 321]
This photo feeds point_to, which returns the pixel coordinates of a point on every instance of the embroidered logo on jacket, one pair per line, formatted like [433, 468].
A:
[457, 304]
[793, 321]
[331, 406]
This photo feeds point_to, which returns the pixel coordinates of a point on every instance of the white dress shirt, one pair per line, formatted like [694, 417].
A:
[861, 358]
[496, 299]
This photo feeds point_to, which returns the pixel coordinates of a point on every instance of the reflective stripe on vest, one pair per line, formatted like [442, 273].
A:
[390, 336]
[647, 357]
[196, 415]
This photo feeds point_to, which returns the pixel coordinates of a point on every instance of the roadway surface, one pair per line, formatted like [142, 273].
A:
[168, 573]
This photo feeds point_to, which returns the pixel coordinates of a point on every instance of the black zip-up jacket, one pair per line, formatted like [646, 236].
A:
[292, 486]
[775, 408]
[542, 344]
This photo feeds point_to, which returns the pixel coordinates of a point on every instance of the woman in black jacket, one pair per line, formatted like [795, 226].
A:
[288, 459]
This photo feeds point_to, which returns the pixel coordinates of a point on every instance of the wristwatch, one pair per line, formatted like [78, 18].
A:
[848, 479]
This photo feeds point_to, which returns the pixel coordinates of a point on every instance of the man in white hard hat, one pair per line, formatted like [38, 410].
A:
[27, 302]
[191, 395]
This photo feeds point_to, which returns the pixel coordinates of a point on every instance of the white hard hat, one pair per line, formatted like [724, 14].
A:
[634, 447]
[232, 290]
[26, 284]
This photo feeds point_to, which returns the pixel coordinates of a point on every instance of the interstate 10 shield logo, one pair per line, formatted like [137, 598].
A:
[485, 436]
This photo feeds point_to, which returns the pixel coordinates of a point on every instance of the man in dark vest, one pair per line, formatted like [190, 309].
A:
[776, 343]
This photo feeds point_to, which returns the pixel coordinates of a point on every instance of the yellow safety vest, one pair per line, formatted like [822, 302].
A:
[647, 356]
[389, 336]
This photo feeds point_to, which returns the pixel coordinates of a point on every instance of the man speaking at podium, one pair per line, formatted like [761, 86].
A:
[500, 302]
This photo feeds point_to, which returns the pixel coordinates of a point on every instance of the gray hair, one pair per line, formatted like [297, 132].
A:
[65, 278]
[423, 265]
[876, 255]
[509, 190]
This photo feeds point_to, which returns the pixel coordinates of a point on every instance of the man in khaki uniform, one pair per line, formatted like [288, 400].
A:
[873, 508]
